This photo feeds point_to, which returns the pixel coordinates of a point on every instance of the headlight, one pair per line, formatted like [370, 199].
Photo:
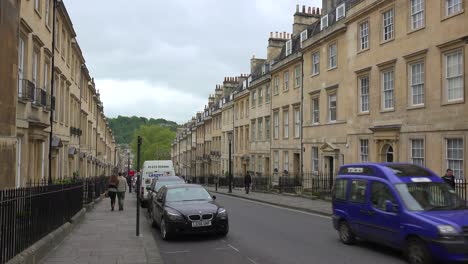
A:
[222, 213]
[447, 230]
[174, 216]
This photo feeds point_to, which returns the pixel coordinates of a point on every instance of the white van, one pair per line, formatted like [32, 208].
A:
[153, 169]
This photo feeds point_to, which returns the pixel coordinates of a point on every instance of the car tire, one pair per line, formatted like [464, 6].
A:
[417, 252]
[346, 234]
[165, 234]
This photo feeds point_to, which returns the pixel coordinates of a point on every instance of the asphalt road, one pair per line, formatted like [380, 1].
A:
[264, 234]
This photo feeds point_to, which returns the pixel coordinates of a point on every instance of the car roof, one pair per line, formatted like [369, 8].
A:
[169, 178]
[393, 172]
[183, 185]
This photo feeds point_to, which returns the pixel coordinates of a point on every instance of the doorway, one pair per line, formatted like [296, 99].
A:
[330, 169]
[296, 164]
[388, 153]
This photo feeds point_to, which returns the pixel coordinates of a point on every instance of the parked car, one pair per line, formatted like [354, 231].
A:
[188, 209]
[403, 206]
[156, 184]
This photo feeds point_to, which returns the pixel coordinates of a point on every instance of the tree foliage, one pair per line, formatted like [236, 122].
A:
[124, 127]
[156, 144]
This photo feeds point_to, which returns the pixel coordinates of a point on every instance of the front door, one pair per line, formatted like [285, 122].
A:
[296, 164]
[330, 169]
[383, 226]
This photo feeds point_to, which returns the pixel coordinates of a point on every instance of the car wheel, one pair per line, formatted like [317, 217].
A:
[418, 253]
[165, 235]
[346, 234]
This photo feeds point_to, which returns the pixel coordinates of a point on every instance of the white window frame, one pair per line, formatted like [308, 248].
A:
[316, 63]
[364, 150]
[276, 160]
[417, 14]
[451, 161]
[315, 110]
[417, 151]
[332, 56]
[254, 98]
[21, 63]
[286, 161]
[297, 122]
[267, 128]
[324, 22]
[417, 83]
[260, 96]
[286, 81]
[37, 5]
[297, 76]
[331, 108]
[285, 123]
[459, 76]
[260, 129]
[303, 36]
[276, 125]
[364, 35]
[364, 91]
[267, 94]
[455, 5]
[47, 13]
[386, 91]
[276, 85]
[288, 47]
[315, 159]
[388, 25]
[341, 11]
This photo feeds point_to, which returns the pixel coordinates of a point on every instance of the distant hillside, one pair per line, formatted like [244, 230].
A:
[124, 126]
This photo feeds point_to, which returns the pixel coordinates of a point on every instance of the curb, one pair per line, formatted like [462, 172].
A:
[276, 204]
[37, 251]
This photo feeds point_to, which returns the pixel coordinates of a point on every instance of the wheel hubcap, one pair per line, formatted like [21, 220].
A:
[416, 255]
[344, 232]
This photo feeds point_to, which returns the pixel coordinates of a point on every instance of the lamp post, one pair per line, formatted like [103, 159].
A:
[229, 166]
[128, 170]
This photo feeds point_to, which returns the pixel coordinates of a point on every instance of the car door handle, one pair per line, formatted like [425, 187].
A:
[368, 212]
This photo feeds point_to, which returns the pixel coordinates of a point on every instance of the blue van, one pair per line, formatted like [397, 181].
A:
[403, 206]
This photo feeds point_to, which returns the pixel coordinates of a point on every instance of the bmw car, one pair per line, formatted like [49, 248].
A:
[188, 209]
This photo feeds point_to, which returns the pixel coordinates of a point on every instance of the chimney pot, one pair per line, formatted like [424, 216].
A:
[271, 34]
[276, 34]
[310, 10]
[281, 35]
[253, 56]
[284, 34]
[297, 8]
[303, 9]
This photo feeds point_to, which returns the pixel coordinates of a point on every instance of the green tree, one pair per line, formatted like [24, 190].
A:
[156, 144]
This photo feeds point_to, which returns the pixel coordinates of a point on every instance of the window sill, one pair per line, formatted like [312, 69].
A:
[38, 12]
[362, 51]
[314, 74]
[413, 107]
[453, 15]
[411, 31]
[48, 28]
[387, 110]
[331, 69]
[363, 113]
[383, 42]
[297, 87]
[461, 101]
[285, 91]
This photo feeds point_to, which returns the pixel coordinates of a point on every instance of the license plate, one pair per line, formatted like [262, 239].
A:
[201, 223]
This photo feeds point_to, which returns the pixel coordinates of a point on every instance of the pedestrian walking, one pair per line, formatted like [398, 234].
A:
[247, 182]
[449, 178]
[112, 189]
[129, 182]
[121, 189]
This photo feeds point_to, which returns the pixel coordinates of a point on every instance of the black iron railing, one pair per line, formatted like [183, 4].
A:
[26, 90]
[30, 213]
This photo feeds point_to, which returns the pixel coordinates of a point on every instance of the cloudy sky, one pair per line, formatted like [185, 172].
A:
[161, 59]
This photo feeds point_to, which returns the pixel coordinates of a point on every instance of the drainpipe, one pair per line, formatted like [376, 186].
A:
[302, 118]
[52, 84]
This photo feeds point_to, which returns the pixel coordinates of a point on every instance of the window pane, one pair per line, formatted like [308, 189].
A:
[358, 191]
[417, 83]
[364, 33]
[454, 76]
[388, 25]
[364, 150]
[340, 190]
[380, 193]
[455, 156]
[417, 151]
[388, 90]
[364, 90]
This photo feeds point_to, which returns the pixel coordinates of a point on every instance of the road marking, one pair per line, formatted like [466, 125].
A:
[177, 252]
[222, 248]
[231, 246]
[278, 207]
[251, 260]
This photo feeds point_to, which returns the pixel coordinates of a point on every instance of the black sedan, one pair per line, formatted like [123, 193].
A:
[188, 209]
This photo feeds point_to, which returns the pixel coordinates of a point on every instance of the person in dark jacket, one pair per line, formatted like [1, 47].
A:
[449, 178]
[247, 182]
[112, 189]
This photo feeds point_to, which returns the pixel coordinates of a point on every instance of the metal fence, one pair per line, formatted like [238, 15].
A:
[315, 184]
[28, 214]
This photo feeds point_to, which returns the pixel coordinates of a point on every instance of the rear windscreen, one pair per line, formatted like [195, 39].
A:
[408, 170]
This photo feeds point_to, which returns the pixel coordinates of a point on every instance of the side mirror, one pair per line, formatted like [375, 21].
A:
[214, 197]
[148, 188]
[390, 207]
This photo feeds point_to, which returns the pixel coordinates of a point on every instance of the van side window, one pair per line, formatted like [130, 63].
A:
[340, 189]
[380, 192]
[358, 191]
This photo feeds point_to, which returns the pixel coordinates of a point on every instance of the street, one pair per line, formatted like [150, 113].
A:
[261, 234]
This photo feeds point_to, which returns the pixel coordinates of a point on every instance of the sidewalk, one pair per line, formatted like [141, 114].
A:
[293, 202]
[108, 237]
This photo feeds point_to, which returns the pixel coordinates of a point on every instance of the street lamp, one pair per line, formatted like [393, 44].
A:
[230, 169]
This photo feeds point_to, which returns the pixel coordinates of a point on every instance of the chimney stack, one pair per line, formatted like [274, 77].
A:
[304, 19]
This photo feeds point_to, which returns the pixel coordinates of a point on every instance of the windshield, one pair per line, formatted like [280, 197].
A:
[187, 194]
[160, 184]
[429, 196]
